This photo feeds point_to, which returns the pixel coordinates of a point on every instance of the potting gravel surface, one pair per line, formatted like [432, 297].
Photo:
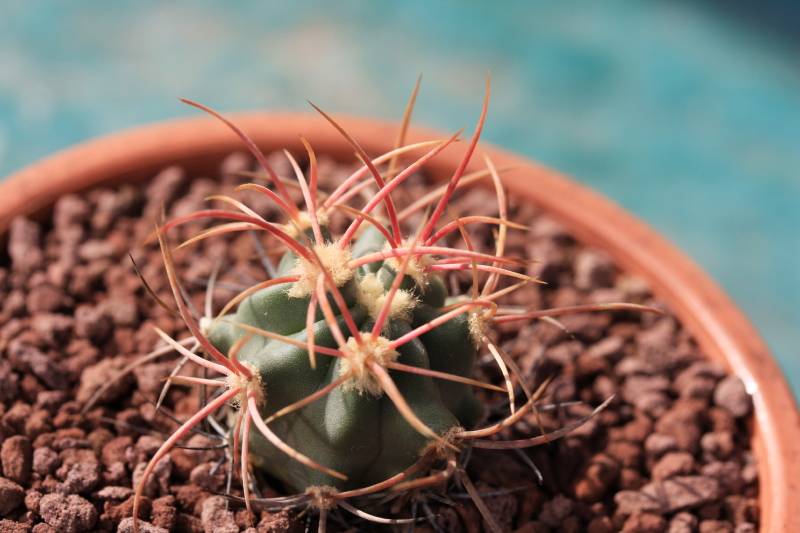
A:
[670, 453]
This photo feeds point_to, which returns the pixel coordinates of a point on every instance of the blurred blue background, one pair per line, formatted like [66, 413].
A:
[686, 112]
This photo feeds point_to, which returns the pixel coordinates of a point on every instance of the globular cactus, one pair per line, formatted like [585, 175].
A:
[351, 370]
[355, 429]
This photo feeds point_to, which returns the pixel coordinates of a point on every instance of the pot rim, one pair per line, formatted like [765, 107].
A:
[720, 329]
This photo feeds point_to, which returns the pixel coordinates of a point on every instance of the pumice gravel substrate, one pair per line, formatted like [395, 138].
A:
[670, 454]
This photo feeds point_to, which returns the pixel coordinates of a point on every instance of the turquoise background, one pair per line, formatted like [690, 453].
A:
[687, 113]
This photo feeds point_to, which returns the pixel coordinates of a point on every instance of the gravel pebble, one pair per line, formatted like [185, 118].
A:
[216, 518]
[14, 304]
[592, 270]
[8, 526]
[11, 495]
[126, 526]
[116, 512]
[47, 299]
[626, 453]
[68, 514]
[95, 376]
[653, 403]
[673, 464]
[72, 456]
[96, 249]
[160, 193]
[38, 423]
[40, 365]
[158, 479]
[121, 309]
[715, 526]
[53, 328]
[113, 493]
[164, 514]
[92, 324]
[635, 431]
[598, 474]
[631, 502]
[70, 210]
[727, 473]
[599, 524]
[32, 500]
[637, 385]
[284, 521]
[731, 394]
[9, 382]
[654, 343]
[45, 460]
[683, 492]
[15, 417]
[682, 523]
[717, 445]
[683, 422]
[611, 348]
[556, 510]
[16, 457]
[201, 475]
[24, 237]
[644, 523]
[81, 479]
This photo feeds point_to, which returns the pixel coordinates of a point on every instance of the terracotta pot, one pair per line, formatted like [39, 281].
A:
[719, 327]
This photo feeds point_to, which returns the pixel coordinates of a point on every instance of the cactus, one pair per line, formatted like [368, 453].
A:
[351, 370]
[356, 414]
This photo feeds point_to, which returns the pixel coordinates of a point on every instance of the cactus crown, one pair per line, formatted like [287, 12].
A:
[352, 364]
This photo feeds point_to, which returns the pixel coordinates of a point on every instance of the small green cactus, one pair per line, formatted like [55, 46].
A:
[356, 429]
[351, 371]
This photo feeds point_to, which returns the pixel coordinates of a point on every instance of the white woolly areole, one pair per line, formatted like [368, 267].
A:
[372, 296]
[417, 268]
[245, 385]
[335, 261]
[322, 497]
[204, 323]
[303, 222]
[373, 350]
[449, 437]
[478, 325]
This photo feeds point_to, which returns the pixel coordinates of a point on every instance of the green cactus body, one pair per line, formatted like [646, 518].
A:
[356, 433]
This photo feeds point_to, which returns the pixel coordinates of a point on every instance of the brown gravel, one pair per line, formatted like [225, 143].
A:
[67, 514]
[670, 454]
